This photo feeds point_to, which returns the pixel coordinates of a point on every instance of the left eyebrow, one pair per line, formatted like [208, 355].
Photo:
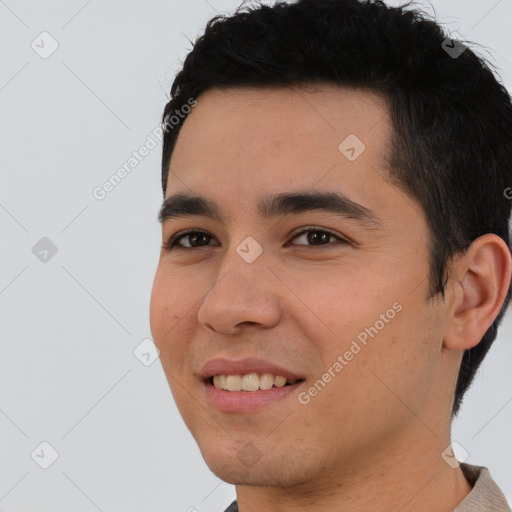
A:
[184, 205]
[339, 204]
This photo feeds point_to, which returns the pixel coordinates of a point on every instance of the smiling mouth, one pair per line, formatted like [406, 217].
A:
[250, 382]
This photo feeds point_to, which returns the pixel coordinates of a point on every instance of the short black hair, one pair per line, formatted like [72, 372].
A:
[452, 118]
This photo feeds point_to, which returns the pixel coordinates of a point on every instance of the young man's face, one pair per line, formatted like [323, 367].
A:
[342, 308]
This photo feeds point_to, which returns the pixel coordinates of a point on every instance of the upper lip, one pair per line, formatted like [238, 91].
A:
[221, 366]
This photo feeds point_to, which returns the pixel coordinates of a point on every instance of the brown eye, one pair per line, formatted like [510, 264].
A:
[195, 239]
[317, 237]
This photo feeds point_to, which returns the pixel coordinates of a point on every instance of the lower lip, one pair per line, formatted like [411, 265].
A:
[246, 401]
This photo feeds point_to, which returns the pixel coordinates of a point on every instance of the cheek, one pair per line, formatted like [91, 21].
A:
[378, 328]
[337, 304]
[169, 305]
[397, 366]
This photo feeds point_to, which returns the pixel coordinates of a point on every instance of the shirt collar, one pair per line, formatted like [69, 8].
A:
[485, 496]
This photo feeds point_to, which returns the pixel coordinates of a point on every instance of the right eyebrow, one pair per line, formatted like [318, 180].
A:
[184, 205]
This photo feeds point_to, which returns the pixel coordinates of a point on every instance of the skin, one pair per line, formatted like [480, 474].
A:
[372, 439]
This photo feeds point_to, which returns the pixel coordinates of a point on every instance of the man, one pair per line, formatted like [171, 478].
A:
[336, 256]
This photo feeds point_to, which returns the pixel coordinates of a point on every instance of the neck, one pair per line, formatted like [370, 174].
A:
[410, 479]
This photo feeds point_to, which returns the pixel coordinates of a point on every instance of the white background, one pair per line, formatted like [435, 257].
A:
[68, 327]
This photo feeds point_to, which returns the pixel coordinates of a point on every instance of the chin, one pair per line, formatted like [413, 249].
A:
[235, 473]
[236, 463]
[246, 465]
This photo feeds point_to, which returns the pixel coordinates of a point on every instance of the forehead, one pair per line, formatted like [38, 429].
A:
[243, 142]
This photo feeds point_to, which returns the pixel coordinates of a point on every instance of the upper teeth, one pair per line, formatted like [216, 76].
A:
[249, 382]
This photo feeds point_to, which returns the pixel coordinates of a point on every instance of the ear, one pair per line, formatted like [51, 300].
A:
[476, 289]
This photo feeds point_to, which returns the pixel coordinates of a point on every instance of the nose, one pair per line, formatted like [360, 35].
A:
[245, 294]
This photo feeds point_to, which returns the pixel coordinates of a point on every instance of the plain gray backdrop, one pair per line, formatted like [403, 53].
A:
[82, 86]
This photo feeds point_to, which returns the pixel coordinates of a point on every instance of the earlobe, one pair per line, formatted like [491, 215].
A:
[479, 282]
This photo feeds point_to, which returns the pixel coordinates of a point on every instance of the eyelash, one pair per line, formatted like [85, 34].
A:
[173, 242]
